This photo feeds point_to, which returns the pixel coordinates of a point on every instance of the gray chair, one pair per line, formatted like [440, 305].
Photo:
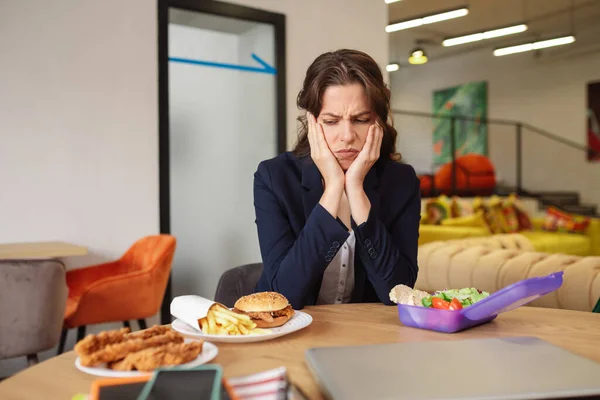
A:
[237, 282]
[33, 297]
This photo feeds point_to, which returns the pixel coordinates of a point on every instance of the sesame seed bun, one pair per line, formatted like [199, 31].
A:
[262, 302]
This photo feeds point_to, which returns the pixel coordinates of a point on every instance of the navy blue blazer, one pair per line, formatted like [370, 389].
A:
[298, 237]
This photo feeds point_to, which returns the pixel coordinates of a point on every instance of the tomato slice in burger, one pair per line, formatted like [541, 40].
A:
[455, 304]
[440, 304]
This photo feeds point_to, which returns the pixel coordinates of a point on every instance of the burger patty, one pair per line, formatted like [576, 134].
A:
[267, 316]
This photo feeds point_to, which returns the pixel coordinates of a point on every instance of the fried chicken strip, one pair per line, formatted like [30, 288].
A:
[93, 343]
[155, 357]
[118, 351]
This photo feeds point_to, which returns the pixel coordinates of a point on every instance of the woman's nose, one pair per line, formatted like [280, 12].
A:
[347, 131]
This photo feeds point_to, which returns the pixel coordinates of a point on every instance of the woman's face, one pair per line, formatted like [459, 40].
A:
[346, 117]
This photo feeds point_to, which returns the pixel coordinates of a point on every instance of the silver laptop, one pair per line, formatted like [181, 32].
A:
[497, 368]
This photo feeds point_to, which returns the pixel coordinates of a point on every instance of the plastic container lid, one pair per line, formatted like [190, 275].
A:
[483, 311]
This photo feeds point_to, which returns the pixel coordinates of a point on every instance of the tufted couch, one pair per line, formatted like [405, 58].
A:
[493, 262]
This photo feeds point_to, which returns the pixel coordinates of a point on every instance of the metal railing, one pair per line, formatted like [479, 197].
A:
[526, 157]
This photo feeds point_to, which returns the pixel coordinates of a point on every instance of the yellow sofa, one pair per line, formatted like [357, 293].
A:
[585, 244]
[492, 263]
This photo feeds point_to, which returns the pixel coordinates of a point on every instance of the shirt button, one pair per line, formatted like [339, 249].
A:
[341, 283]
[345, 247]
[343, 265]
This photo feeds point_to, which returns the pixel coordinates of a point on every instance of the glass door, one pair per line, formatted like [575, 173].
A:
[223, 119]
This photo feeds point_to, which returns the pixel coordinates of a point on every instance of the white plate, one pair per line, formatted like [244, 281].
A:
[298, 321]
[209, 351]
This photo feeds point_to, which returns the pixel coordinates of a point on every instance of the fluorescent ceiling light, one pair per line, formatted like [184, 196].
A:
[542, 44]
[398, 26]
[390, 1]
[475, 37]
[392, 67]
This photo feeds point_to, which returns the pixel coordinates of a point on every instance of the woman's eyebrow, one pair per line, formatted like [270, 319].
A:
[360, 114]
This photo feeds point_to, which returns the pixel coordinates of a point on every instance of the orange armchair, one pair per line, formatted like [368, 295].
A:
[131, 288]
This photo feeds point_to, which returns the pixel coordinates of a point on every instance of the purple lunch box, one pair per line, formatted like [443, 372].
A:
[483, 311]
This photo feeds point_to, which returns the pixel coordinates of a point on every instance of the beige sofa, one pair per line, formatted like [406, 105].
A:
[491, 263]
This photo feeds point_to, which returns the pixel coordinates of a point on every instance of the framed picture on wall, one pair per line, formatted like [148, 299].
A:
[470, 134]
[593, 121]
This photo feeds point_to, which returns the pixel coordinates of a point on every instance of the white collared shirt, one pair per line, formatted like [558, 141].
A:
[338, 279]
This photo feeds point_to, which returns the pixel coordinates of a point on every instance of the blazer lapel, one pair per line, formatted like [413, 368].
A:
[312, 184]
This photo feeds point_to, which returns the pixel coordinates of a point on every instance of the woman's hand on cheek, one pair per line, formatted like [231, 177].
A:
[328, 165]
[365, 159]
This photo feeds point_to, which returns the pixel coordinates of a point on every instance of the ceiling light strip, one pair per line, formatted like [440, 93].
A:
[542, 44]
[475, 37]
[430, 19]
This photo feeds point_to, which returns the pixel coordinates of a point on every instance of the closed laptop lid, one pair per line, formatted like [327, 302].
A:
[494, 368]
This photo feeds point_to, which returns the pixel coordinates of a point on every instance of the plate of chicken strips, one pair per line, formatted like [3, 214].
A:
[254, 318]
[122, 353]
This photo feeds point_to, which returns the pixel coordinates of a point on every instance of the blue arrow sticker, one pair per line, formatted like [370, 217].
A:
[264, 68]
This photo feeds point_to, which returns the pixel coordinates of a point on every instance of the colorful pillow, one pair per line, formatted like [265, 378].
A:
[523, 219]
[559, 221]
[474, 220]
[460, 207]
[500, 215]
[438, 209]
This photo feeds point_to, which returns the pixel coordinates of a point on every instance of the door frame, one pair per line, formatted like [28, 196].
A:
[225, 10]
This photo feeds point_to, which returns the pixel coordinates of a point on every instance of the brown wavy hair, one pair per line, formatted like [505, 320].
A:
[344, 67]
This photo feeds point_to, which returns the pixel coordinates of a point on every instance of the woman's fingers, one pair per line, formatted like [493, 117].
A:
[311, 131]
[377, 141]
[368, 147]
[321, 136]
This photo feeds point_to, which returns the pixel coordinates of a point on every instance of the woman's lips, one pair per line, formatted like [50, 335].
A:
[346, 153]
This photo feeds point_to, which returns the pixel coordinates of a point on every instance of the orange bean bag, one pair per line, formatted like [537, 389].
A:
[426, 184]
[474, 172]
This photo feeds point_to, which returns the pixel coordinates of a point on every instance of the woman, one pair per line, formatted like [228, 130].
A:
[338, 217]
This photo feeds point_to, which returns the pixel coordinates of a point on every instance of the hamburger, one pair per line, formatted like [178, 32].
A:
[266, 309]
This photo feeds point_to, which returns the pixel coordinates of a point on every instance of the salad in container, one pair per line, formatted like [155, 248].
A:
[454, 310]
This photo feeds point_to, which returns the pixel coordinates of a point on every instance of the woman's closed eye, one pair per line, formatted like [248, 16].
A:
[333, 122]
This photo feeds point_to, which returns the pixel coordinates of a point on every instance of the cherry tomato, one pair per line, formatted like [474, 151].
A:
[440, 304]
[455, 304]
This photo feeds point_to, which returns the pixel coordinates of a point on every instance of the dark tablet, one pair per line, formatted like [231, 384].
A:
[199, 383]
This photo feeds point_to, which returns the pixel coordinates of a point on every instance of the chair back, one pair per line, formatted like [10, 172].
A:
[237, 282]
[149, 253]
[33, 296]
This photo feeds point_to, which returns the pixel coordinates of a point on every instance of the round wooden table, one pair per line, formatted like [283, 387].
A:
[348, 324]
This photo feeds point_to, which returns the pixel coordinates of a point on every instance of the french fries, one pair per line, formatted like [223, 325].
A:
[220, 320]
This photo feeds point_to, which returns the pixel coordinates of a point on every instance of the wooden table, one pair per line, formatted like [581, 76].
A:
[40, 250]
[349, 324]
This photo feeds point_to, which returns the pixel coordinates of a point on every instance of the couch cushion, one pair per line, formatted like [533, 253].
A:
[459, 264]
[556, 242]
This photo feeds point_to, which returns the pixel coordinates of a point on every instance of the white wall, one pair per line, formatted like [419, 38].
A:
[78, 123]
[78, 112]
[317, 26]
[549, 93]
[78, 126]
